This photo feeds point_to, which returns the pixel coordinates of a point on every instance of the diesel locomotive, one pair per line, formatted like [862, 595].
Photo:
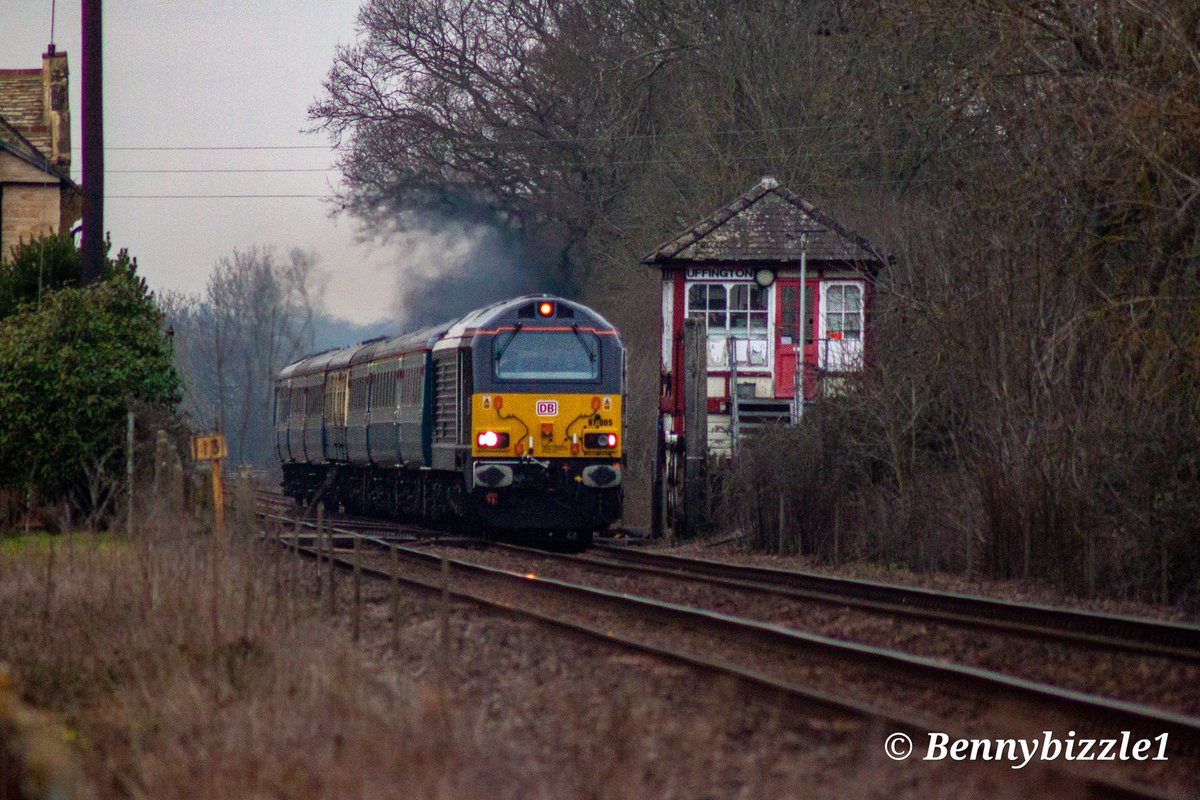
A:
[508, 419]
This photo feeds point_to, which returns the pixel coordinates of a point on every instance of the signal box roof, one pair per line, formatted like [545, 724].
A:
[771, 224]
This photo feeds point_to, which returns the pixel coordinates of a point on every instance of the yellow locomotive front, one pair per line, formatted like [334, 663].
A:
[546, 424]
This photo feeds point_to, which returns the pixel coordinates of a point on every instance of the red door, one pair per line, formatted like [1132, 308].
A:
[788, 333]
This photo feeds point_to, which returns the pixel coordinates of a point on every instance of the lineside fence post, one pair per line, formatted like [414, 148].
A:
[395, 597]
[129, 474]
[319, 541]
[695, 423]
[218, 547]
[357, 589]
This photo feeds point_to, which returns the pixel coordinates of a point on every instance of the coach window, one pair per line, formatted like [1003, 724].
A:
[282, 397]
[296, 403]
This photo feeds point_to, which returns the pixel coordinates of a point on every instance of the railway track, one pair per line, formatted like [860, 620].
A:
[286, 509]
[1147, 636]
[818, 670]
[1141, 636]
[1173, 640]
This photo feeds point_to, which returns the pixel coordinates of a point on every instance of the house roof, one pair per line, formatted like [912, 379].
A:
[13, 142]
[21, 105]
[768, 223]
[23, 128]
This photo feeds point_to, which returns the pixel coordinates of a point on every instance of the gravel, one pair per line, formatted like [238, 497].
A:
[609, 722]
[1153, 681]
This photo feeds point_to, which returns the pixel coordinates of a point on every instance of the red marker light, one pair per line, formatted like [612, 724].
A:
[600, 441]
[545, 309]
[491, 439]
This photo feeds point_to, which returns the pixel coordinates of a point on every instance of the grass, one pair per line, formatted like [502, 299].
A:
[115, 641]
[115, 644]
[15, 544]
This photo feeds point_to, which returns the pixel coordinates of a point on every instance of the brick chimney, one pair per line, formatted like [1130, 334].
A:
[56, 110]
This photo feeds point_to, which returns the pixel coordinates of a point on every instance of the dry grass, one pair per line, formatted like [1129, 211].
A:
[116, 639]
[113, 637]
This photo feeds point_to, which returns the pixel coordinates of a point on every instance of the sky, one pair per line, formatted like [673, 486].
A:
[200, 74]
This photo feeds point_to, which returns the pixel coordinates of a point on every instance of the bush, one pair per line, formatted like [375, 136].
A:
[69, 370]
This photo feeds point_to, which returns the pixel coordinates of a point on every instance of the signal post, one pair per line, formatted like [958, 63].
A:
[213, 447]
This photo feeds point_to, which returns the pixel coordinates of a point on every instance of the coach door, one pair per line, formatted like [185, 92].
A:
[794, 336]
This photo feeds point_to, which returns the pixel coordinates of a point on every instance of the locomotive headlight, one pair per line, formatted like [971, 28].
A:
[491, 439]
[600, 441]
[545, 308]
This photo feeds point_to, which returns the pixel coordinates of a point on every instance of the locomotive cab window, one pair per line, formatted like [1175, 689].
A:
[532, 354]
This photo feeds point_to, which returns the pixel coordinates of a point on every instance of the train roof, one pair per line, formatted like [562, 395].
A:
[318, 362]
[447, 334]
[421, 339]
[521, 308]
[357, 353]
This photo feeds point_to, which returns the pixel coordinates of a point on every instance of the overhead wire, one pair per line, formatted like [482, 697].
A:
[210, 196]
[810, 153]
[824, 126]
[871, 181]
[806, 154]
[211, 171]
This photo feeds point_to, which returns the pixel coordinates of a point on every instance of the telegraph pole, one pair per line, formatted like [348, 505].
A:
[93, 145]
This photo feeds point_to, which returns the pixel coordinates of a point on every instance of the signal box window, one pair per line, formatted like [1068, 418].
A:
[748, 309]
[740, 308]
[736, 311]
[708, 301]
[789, 315]
[843, 311]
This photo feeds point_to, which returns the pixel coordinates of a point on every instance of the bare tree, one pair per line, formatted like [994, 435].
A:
[256, 316]
[1032, 165]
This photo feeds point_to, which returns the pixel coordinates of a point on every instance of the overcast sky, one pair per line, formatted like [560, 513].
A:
[213, 74]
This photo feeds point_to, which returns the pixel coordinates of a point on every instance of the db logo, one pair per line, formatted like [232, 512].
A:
[547, 408]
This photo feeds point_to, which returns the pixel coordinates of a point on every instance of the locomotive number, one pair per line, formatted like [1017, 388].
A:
[547, 408]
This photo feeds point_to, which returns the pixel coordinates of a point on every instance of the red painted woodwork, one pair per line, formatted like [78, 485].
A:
[788, 295]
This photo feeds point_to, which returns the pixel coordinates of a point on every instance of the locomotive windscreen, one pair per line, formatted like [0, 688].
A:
[532, 354]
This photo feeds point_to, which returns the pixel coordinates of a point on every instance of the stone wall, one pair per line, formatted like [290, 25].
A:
[30, 206]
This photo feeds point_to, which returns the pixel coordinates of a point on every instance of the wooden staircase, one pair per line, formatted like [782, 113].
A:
[748, 416]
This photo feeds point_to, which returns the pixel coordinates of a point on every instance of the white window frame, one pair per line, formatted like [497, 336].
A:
[841, 354]
[718, 337]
